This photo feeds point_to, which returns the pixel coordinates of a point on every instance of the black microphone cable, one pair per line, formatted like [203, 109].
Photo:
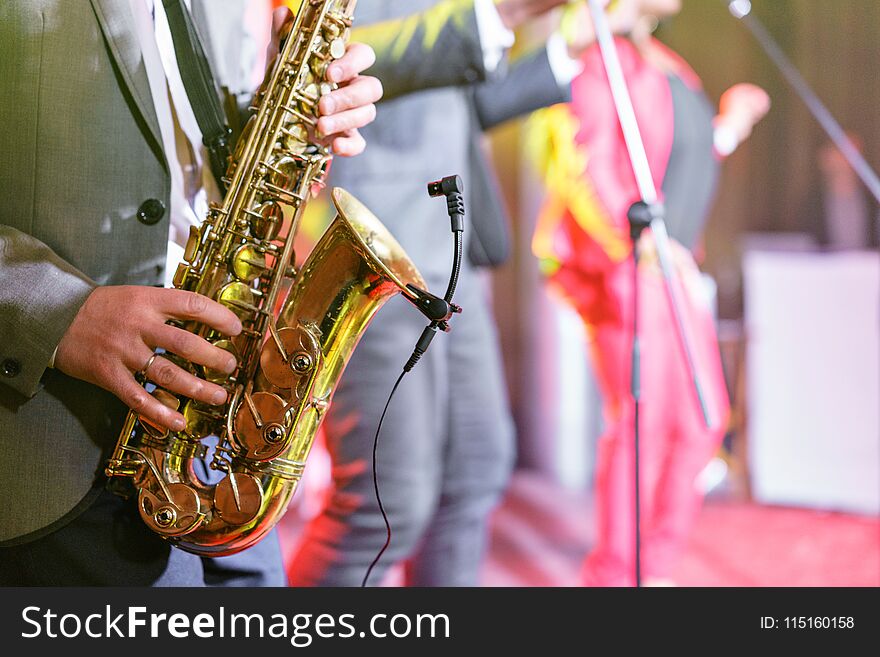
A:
[376, 483]
[439, 311]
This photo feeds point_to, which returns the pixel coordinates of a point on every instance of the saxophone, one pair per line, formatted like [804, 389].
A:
[300, 326]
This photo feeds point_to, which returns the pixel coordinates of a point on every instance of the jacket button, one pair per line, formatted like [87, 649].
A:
[151, 211]
[10, 367]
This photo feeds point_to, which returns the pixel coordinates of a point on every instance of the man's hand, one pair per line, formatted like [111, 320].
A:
[117, 331]
[578, 28]
[741, 107]
[352, 104]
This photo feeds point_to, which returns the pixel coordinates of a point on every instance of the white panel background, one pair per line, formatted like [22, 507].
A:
[813, 378]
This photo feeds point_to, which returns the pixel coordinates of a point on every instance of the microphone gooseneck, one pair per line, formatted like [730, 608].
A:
[440, 311]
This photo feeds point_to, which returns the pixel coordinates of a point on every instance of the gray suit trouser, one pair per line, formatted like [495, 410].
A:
[445, 452]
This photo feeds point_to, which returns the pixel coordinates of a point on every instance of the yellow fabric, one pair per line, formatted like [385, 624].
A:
[551, 144]
[392, 39]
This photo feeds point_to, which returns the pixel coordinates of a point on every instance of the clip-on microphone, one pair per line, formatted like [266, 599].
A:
[439, 311]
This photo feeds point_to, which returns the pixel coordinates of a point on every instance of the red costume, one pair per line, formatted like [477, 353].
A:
[583, 241]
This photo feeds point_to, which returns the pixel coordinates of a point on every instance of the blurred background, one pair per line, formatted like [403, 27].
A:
[793, 498]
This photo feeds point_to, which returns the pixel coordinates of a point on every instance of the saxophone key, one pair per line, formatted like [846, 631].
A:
[181, 276]
[192, 244]
[337, 48]
[261, 426]
[289, 357]
[267, 220]
[294, 139]
[248, 264]
[177, 515]
[332, 28]
[318, 64]
[309, 94]
[244, 139]
[305, 118]
[216, 376]
[279, 194]
[201, 422]
[285, 172]
[239, 298]
[238, 498]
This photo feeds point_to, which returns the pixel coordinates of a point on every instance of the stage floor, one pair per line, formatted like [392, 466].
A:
[541, 532]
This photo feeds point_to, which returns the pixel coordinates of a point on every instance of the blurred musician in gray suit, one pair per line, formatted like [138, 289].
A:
[447, 444]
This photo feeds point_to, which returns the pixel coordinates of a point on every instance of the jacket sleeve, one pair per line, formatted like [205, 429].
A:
[40, 294]
[438, 47]
[528, 85]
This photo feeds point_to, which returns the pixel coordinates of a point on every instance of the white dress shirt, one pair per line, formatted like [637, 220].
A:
[496, 39]
[191, 183]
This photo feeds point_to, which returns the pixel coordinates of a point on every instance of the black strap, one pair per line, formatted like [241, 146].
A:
[200, 87]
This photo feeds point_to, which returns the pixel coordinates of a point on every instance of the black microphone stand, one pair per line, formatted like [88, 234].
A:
[648, 212]
[742, 9]
[640, 217]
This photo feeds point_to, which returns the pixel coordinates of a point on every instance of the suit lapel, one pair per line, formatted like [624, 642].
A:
[117, 24]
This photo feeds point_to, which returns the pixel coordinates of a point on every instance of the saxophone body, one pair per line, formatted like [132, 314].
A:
[300, 326]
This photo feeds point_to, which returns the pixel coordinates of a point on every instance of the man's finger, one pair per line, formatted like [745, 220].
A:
[357, 58]
[181, 304]
[349, 144]
[282, 21]
[345, 121]
[280, 16]
[172, 378]
[191, 347]
[363, 90]
[144, 404]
